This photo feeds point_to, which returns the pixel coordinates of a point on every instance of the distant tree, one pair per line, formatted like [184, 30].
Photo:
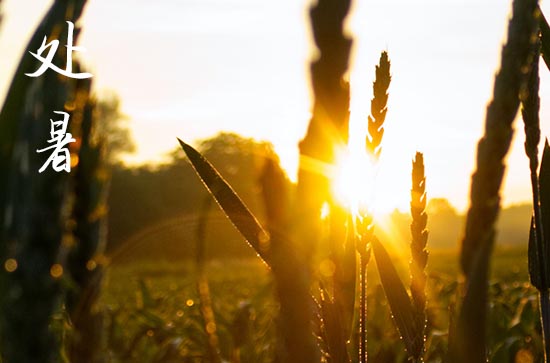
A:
[513, 225]
[444, 223]
[112, 127]
[441, 206]
[149, 198]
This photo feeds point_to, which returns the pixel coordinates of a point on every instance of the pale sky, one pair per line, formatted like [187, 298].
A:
[191, 68]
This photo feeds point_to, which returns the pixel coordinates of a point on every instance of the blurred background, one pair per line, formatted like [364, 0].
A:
[231, 77]
[192, 69]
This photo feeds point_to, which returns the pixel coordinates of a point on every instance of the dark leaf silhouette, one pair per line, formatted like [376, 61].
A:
[229, 201]
[400, 303]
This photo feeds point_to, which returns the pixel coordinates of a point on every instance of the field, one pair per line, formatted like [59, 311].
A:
[328, 278]
[154, 310]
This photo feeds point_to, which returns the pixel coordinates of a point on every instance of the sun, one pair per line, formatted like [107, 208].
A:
[353, 180]
[354, 186]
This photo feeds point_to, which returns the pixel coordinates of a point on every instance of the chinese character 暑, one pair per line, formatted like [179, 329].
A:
[60, 157]
[47, 61]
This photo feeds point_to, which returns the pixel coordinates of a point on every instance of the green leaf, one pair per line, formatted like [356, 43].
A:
[544, 186]
[229, 201]
[400, 303]
[539, 271]
[534, 260]
[545, 39]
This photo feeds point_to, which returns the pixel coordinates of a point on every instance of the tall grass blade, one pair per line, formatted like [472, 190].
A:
[477, 244]
[544, 185]
[332, 329]
[536, 269]
[539, 247]
[545, 38]
[289, 270]
[229, 201]
[277, 251]
[544, 247]
[401, 307]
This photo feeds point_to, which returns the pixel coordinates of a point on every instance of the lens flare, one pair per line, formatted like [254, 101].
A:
[353, 181]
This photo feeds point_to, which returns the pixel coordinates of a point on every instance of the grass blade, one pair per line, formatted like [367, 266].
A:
[539, 269]
[400, 303]
[289, 270]
[229, 201]
[542, 250]
[535, 268]
[545, 39]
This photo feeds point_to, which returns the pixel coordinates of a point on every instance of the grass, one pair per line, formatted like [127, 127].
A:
[235, 282]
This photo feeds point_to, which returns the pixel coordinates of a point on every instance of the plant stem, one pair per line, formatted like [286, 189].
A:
[419, 254]
[545, 319]
[531, 119]
[363, 244]
[363, 309]
[478, 240]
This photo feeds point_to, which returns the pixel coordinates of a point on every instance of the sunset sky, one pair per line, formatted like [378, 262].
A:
[190, 68]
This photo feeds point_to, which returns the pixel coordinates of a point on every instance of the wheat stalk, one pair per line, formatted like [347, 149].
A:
[539, 265]
[327, 130]
[418, 248]
[328, 127]
[365, 224]
[486, 182]
[378, 106]
[365, 227]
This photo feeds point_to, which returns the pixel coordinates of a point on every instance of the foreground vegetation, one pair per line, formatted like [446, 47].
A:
[153, 311]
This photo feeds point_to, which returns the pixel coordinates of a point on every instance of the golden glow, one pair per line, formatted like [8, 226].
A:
[56, 271]
[10, 265]
[325, 211]
[353, 180]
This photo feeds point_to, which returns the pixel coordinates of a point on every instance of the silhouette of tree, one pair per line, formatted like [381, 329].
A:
[112, 128]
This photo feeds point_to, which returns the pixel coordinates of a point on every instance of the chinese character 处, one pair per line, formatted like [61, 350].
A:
[47, 62]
